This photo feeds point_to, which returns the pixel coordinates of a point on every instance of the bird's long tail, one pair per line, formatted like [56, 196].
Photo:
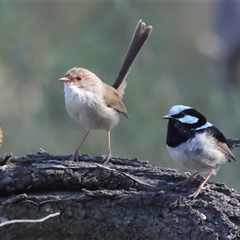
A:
[234, 142]
[139, 37]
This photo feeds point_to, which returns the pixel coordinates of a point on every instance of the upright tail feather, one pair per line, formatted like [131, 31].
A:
[141, 34]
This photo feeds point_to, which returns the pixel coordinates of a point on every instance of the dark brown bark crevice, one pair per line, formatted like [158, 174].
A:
[126, 199]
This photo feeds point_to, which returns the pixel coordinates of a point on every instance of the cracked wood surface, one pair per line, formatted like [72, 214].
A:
[125, 199]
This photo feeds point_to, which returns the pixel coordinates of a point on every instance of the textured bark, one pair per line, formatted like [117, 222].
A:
[127, 199]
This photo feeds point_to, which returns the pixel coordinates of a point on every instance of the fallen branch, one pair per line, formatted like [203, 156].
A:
[126, 199]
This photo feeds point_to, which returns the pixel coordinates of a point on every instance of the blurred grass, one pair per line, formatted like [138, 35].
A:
[41, 41]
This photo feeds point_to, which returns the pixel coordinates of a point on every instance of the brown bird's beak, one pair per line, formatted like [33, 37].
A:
[64, 79]
[166, 117]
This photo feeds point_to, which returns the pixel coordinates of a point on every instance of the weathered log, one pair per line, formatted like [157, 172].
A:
[126, 199]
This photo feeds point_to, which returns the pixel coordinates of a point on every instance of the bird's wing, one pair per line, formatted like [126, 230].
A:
[113, 100]
[221, 142]
[226, 150]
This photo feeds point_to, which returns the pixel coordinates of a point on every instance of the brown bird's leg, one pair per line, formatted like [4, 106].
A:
[140, 35]
[75, 155]
[194, 195]
[109, 155]
[189, 179]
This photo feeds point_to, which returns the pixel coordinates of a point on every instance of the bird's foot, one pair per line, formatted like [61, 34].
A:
[200, 188]
[106, 160]
[75, 157]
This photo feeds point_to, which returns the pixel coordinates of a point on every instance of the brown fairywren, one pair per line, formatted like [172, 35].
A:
[94, 104]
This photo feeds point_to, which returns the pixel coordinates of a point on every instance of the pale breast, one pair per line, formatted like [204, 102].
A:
[88, 108]
[198, 154]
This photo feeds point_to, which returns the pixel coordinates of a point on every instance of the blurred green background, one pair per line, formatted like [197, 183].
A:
[181, 63]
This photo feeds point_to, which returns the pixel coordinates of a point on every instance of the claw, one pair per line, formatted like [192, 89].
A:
[106, 160]
[202, 186]
[75, 157]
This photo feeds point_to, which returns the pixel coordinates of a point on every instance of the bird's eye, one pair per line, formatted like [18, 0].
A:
[79, 78]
